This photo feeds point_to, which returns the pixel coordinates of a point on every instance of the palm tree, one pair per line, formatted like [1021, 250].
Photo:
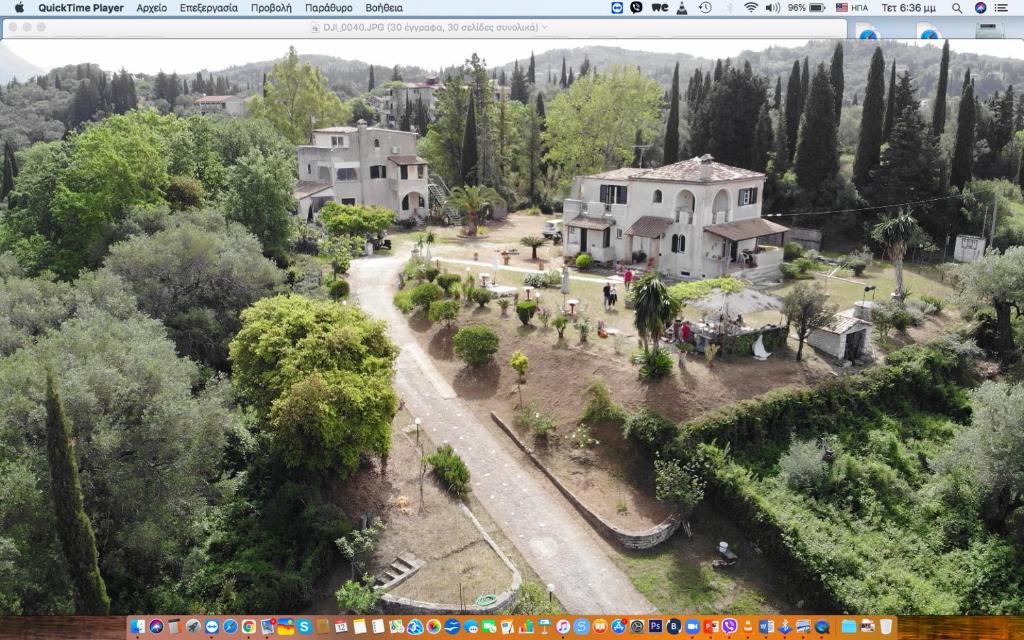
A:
[472, 201]
[895, 234]
[653, 309]
[534, 242]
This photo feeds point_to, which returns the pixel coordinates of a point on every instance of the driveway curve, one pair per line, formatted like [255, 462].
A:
[548, 532]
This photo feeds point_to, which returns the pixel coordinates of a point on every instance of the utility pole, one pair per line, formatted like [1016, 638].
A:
[995, 210]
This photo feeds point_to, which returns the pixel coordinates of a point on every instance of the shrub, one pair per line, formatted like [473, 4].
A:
[403, 300]
[584, 261]
[560, 322]
[583, 328]
[891, 314]
[599, 404]
[481, 296]
[545, 316]
[503, 304]
[792, 250]
[583, 437]
[475, 344]
[803, 467]
[797, 269]
[358, 597]
[540, 423]
[525, 311]
[680, 484]
[447, 280]
[549, 279]
[857, 264]
[446, 311]
[520, 363]
[653, 363]
[938, 303]
[337, 288]
[424, 294]
[450, 469]
[431, 273]
[648, 430]
[531, 600]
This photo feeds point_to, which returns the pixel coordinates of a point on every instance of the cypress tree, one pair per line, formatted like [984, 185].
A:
[396, 76]
[962, 164]
[764, 139]
[73, 527]
[718, 69]
[10, 171]
[869, 144]
[792, 112]
[777, 102]
[966, 81]
[263, 87]
[805, 84]
[817, 155]
[890, 107]
[469, 147]
[422, 117]
[1020, 170]
[572, 78]
[939, 110]
[531, 71]
[910, 168]
[372, 83]
[838, 80]
[585, 66]
[638, 142]
[564, 80]
[672, 126]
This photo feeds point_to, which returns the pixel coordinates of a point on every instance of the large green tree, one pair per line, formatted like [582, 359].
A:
[318, 375]
[473, 202]
[470, 155]
[73, 527]
[910, 168]
[725, 125]
[297, 100]
[869, 143]
[961, 166]
[794, 108]
[939, 109]
[817, 155]
[196, 275]
[891, 113]
[356, 220]
[591, 126]
[259, 197]
[671, 144]
[442, 146]
[837, 79]
[10, 171]
[997, 279]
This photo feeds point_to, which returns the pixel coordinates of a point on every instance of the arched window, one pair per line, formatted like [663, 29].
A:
[376, 143]
[657, 196]
[681, 245]
[675, 243]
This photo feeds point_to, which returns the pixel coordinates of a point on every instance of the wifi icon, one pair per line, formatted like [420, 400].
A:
[751, 6]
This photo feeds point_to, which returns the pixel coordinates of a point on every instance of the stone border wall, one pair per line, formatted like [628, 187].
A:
[399, 605]
[628, 539]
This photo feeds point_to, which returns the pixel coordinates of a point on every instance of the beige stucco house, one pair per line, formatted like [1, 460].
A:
[361, 165]
[229, 105]
[693, 219]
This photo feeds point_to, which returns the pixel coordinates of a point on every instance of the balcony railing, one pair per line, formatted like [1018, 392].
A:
[593, 208]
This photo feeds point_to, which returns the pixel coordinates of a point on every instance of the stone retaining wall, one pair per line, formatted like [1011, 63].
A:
[398, 605]
[628, 539]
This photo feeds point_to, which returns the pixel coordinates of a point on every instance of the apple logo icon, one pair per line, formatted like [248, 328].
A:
[20, 7]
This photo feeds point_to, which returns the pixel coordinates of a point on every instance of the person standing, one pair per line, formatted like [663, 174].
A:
[607, 295]
[628, 277]
[613, 296]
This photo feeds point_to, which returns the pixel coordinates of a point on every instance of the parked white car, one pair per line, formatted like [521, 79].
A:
[552, 228]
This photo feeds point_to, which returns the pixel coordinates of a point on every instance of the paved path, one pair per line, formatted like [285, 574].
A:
[548, 532]
[490, 265]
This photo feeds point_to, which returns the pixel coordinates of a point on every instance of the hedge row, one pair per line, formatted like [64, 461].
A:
[924, 377]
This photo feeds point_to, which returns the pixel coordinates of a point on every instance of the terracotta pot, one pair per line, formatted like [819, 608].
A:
[505, 259]
[540, 265]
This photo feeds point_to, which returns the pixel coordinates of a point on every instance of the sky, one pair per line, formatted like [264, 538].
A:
[185, 56]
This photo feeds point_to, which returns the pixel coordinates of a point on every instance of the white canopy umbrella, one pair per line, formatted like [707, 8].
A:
[732, 303]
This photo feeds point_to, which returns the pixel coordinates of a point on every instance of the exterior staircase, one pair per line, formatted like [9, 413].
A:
[398, 571]
[439, 206]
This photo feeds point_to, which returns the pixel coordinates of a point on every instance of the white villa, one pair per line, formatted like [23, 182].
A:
[693, 219]
[230, 105]
[361, 165]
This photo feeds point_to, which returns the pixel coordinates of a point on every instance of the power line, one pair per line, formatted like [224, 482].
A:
[874, 207]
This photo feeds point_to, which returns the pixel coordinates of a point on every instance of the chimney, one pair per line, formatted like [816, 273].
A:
[705, 167]
[361, 124]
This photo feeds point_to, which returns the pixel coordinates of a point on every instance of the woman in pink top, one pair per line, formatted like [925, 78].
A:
[628, 277]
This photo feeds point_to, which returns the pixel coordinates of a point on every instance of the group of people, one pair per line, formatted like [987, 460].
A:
[611, 296]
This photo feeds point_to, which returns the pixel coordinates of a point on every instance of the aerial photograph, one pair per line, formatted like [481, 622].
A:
[511, 326]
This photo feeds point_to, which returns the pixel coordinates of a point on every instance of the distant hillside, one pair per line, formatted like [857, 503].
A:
[13, 66]
[991, 73]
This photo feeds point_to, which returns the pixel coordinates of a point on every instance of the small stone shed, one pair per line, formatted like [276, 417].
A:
[845, 338]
